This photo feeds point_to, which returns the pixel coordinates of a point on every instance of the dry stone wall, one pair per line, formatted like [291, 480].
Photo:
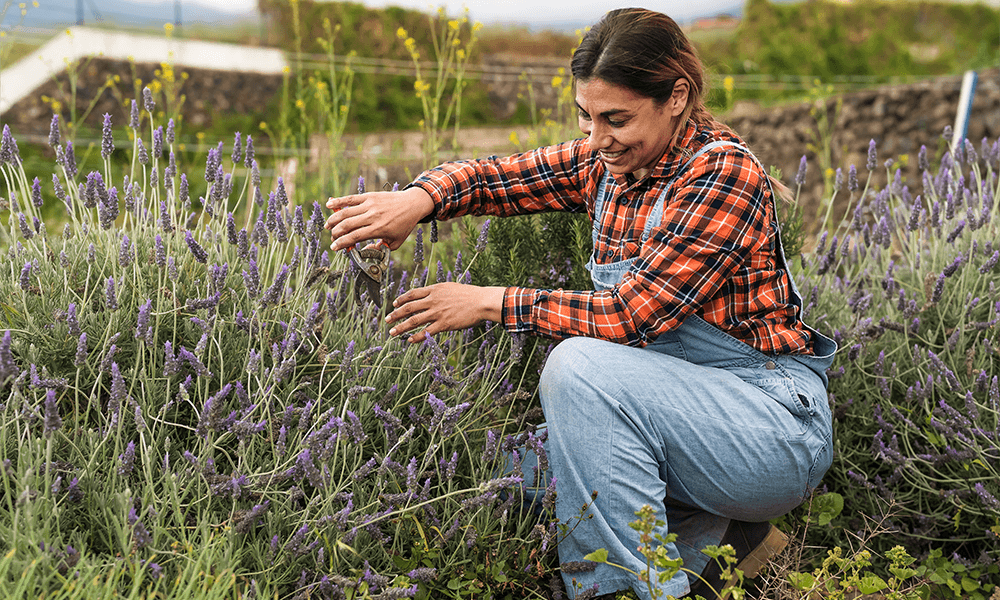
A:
[900, 118]
[207, 94]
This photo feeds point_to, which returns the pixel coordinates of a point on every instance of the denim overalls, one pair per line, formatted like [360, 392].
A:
[697, 424]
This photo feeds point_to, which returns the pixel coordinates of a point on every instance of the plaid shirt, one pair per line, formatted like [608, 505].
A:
[713, 253]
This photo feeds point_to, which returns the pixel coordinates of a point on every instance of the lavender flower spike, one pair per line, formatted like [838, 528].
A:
[8, 148]
[147, 100]
[54, 131]
[107, 141]
[196, 250]
[872, 156]
[52, 422]
[110, 294]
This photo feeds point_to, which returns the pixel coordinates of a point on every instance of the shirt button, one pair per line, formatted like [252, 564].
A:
[770, 366]
[623, 199]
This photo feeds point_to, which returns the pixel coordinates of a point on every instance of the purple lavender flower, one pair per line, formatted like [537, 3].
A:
[800, 176]
[8, 367]
[248, 159]
[418, 249]
[158, 142]
[147, 100]
[25, 279]
[36, 193]
[22, 224]
[107, 141]
[957, 231]
[274, 293]
[71, 319]
[990, 264]
[52, 421]
[110, 295]
[143, 330]
[172, 271]
[81, 351]
[126, 460]
[196, 250]
[182, 192]
[872, 156]
[434, 231]
[8, 148]
[125, 252]
[108, 208]
[852, 179]
[54, 132]
[142, 154]
[133, 115]
[68, 160]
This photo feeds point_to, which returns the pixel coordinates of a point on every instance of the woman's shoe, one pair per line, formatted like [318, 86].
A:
[755, 544]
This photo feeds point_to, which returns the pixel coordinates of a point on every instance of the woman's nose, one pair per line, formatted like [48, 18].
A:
[598, 138]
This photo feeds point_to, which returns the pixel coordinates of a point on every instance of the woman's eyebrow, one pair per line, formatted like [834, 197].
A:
[606, 113]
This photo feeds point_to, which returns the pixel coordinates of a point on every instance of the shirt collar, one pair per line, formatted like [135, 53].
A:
[682, 150]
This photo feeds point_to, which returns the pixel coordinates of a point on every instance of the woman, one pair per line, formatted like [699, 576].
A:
[686, 379]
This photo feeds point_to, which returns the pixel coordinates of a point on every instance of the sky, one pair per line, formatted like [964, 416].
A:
[534, 13]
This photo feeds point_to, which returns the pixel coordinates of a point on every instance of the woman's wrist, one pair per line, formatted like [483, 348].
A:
[492, 303]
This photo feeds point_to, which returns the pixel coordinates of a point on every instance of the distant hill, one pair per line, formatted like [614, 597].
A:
[50, 14]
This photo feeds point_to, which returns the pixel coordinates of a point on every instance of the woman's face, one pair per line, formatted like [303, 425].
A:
[629, 131]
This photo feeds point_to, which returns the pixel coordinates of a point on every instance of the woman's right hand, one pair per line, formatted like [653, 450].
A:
[389, 216]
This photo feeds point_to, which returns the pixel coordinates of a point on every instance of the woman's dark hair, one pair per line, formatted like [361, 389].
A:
[646, 52]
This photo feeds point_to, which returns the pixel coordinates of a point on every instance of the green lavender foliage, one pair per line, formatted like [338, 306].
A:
[196, 405]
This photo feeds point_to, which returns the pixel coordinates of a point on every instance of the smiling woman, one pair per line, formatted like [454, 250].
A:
[686, 379]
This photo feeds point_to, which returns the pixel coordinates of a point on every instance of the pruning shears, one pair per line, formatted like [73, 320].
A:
[372, 263]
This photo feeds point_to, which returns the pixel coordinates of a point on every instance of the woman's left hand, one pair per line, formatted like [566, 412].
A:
[444, 307]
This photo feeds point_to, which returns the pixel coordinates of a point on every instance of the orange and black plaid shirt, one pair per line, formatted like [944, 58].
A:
[713, 254]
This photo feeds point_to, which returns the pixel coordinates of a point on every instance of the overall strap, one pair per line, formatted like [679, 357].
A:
[657, 213]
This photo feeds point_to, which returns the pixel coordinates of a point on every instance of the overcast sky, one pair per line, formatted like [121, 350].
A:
[538, 14]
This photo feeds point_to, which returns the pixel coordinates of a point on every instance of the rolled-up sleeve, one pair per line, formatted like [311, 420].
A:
[546, 179]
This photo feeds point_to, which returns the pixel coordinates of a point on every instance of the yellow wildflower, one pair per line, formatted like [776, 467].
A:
[453, 25]
[728, 82]
[514, 139]
[557, 81]
[401, 33]
[477, 26]
[300, 104]
[461, 53]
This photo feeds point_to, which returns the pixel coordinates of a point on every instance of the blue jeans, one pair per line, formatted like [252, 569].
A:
[698, 416]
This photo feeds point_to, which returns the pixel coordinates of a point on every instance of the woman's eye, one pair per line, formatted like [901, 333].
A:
[583, 115]
[616, 123]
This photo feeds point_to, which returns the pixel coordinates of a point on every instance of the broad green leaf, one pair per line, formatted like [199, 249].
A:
[969, 584]
[871, 583]
[599, 556]
[801, 581]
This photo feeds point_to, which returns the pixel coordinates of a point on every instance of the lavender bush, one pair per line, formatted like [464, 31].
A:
[188, 387]
[909, 285]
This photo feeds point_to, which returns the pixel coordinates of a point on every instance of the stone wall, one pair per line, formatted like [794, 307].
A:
[207, 94]
[899, 118]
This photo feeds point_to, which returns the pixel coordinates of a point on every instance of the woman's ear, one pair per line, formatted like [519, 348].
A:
[679, 97]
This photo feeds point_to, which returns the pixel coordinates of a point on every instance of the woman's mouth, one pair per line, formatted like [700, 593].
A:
[611, 155]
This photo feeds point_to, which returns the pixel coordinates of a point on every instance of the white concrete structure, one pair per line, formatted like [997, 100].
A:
[28, 74]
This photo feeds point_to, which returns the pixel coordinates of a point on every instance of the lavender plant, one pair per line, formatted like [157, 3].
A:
[189, 391]
[915, 388]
